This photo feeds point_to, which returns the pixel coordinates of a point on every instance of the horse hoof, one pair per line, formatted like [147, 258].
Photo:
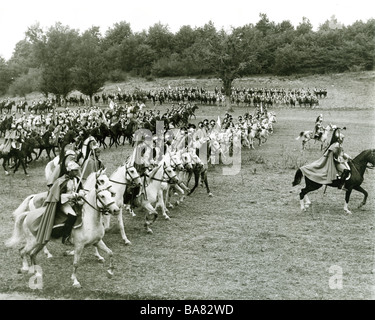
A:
[101, 259]
[23, 271]
[109, 273]
[348, 212]
[149, 231]
[127, 242]
[210, 194]
[6, 173]
[167, 217]
[77, 285]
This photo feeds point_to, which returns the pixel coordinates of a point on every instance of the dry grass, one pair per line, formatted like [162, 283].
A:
[250, 240]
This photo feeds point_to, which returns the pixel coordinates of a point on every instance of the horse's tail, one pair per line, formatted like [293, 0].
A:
[24, 206]
[18, 234]
[297, 178]
[300, 135]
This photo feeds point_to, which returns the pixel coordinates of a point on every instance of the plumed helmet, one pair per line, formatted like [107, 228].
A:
[72, 165]
[337, 136]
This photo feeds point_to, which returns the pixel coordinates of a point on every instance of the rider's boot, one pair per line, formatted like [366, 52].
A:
[68, 226]
[344, 176]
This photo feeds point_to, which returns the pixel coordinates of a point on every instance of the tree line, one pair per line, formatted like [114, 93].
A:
[61, 59]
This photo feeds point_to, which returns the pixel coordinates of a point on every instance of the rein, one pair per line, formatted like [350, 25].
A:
[105, 209]
[161, 180]
[124, 183]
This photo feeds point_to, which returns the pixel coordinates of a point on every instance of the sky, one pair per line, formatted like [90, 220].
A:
[17, 15]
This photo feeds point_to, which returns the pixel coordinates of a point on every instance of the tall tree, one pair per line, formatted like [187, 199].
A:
[230, 59]
[5, 77]
[56, 52]
[89, 69]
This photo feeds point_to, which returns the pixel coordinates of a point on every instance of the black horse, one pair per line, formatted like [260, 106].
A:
[357, 166]
[20, 155]
[5, 125]
[48, 143]
[100, 133]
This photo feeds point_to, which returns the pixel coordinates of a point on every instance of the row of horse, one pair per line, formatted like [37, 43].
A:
[151, 189]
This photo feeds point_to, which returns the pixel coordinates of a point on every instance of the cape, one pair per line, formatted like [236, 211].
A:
[323, 170]
[48, 217]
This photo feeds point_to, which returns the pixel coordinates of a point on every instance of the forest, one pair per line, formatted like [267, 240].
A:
[59, 59]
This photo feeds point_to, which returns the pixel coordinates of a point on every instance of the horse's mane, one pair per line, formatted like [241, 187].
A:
[156, 169]
[90, 179]
[117, 170]
[363, 154]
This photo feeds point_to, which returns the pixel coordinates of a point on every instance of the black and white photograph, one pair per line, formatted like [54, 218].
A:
[185, 156]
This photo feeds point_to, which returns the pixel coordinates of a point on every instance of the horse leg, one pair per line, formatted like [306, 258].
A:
[196, 177]
[20, 161]
[160, 203]
[33, 255]
[204, 178]
[168, 197]
[40, 152]
[47, 253]
[24, 254]
[310, 186]
[122, 228]
[307, 201]
[150, 212]
[360, 189]
[77, 255]
[102, 246]
[347, 196]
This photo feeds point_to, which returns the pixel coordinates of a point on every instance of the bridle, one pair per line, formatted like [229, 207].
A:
[128, 174]
[170, 178]
[104, 208]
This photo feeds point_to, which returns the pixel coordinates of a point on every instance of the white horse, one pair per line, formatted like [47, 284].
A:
[323, 139]
[254, 134]
[177, 165]
[35, 201]
[97, 201]
[124, 176]
[156, 182]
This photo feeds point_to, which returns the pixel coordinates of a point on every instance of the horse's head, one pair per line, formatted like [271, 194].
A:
[169, 174]
[187, 160]
[133, 176]
[371, 157]
[105, 201]
[176, 161]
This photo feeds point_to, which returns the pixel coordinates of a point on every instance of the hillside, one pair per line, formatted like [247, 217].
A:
[345, 90]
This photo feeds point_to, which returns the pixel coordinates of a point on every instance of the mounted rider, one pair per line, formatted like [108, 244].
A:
[91, 162]
[318, 129]
[65, 193]
[340, 157]
[332, 167]
[13, 138]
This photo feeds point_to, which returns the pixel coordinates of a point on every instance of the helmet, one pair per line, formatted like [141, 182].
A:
[340, 137]
[72, 165]
[70, 152]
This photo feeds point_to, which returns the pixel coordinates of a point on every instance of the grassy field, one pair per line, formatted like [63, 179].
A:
[250, 240]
